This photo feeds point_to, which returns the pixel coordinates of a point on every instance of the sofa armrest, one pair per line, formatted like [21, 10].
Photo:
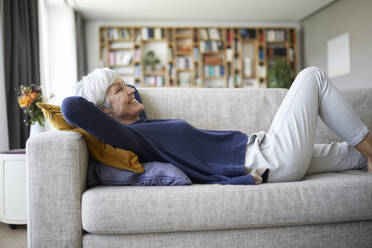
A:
[56, 172]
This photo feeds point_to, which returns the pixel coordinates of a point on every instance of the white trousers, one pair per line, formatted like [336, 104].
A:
[288, 148]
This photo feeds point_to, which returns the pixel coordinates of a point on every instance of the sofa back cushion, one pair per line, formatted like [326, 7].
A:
[246, 110]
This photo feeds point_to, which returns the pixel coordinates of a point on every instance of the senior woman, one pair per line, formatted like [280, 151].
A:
[106, 107]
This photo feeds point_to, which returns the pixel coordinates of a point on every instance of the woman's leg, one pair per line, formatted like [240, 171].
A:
[291, 135]
[335, 157]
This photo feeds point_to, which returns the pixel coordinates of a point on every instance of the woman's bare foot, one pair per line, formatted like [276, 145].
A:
[365, 148]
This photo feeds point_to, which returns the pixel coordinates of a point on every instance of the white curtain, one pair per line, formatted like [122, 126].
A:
[4, 138]
[58, 49]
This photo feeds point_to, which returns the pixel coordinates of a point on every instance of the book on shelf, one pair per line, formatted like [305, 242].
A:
[261, 54]
[152, 33]
[183, 32]
[138, 36]
[138, 71]
[198, 81]
[171, 70]
[154, 81]
[125, 70]
[236, 63]
[228, 71]
[292, 36]
[248, 67]
[203, 34]
[158, 33]
[217, 71]
[137, 55]
[230, 82]
[229, 37]
[236, 46]
[145, 34]
[184, 78]
[276, 51]
[237, 80]
[184, 62]
[196, 53]
[170, 35]
[184, 45]
[247, 33]
[222, 70]
[119, 33]
[229, 54]
[122, 45]
[213, 70]
[120, 57]
[276, 35]
[261, 71]
[214, 34]
[211, 46]
[261, 37]
[170, 54]
[212, 59]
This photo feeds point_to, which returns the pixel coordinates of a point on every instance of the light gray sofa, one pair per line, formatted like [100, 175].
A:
[323, 210]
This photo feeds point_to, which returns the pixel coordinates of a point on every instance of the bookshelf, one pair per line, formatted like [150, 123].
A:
[233, 57]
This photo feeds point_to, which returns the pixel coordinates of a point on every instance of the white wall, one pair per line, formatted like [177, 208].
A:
[4, 140]
[343, 16]
[92, 28]
[58, 49]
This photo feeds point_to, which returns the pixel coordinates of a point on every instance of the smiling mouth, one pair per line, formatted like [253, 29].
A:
[133, 101]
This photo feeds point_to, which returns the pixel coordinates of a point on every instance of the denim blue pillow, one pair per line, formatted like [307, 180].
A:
[156, 174]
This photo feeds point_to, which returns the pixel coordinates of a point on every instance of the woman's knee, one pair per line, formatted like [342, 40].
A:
[310, 69]
[313, 75]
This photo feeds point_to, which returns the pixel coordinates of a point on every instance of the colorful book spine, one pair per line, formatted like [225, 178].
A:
[261, 53]
[229, 37]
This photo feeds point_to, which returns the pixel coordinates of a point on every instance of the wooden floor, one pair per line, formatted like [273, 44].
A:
[16, 238]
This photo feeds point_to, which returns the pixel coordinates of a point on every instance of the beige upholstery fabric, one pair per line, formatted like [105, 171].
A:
[318, 199]
[246, 110]
[343, 235]
[57, 165]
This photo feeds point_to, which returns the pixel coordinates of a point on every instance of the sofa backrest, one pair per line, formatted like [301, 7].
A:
[246, 110]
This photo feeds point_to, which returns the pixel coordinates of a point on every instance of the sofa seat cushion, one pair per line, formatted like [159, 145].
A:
[318, 199]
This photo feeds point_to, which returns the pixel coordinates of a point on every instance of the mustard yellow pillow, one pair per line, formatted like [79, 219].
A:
[103, 153]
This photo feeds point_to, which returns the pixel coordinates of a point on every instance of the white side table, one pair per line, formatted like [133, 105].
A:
[13, 198]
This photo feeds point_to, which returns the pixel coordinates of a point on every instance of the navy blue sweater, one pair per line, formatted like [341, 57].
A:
[205, 156]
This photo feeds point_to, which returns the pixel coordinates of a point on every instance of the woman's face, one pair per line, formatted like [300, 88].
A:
[124, 105]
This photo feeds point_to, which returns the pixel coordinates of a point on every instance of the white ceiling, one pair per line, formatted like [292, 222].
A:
[198, 10]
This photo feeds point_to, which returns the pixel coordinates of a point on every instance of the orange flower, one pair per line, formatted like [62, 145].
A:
[25, 101]
[34, 96]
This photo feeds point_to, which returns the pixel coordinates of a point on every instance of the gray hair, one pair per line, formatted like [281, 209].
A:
[93, 87]
[106, 103]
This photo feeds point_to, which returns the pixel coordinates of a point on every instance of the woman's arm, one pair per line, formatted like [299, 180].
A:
[84, 114]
